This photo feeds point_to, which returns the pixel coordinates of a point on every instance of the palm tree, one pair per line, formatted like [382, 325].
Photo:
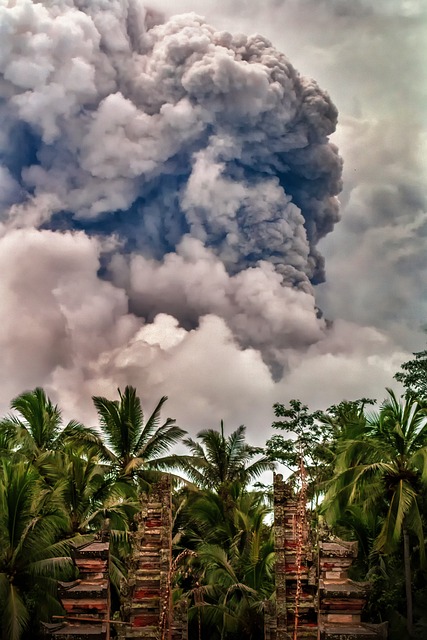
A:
[38, 426]
[93, 499]
[232, 566]
[131, 445]
[31, 557]
[90, 493]
[205, 517]
[217, 462]
[382, 464]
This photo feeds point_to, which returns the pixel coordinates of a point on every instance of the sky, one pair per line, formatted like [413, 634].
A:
[221, 202]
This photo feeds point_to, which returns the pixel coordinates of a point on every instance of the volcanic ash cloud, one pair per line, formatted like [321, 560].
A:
[196, 163]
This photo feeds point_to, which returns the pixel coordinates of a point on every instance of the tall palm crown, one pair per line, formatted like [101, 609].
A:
[208, 520]
[37, 425]
[90, 493]
[231, 574]
[31, 557]
[383, 459]
[383, 466]
[237, 585]
[131, 444]
[217, 461]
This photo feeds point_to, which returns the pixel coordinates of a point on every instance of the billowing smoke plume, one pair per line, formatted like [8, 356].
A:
[156, 167]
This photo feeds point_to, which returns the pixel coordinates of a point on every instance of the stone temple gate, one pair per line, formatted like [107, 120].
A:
[314, 599]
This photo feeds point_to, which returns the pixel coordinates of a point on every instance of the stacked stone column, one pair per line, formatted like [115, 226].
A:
[295, 610]
[86, 600]
[147, 597]
[341, 600]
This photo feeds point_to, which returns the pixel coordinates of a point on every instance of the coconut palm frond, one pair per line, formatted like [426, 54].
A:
[414, 523]
[15, 614]
[53, 567]
[152, 424]
[400, 504]
[131, 446]
[161, 441]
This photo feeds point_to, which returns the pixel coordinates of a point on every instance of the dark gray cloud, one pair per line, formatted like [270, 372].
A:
[172, 129]
[168, 190]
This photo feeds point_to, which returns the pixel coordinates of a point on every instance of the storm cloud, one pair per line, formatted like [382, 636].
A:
[165, 191]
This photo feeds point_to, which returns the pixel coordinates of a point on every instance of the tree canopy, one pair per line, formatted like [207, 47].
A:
[365, 470]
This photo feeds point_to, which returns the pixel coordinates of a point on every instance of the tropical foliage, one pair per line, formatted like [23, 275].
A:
[413, 374]
[36, 426]
[32, 556]
[229, 574]
[62, 484]
[130, 445]
[216, 462]
[365, 469]
[382, 465]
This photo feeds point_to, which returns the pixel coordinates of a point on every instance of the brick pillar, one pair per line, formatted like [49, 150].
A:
[292, 546]
[86, 600]
[341, 600]
[280, 499]
[147, 603]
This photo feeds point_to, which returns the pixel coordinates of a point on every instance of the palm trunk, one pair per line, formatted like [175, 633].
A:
[408, 586]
